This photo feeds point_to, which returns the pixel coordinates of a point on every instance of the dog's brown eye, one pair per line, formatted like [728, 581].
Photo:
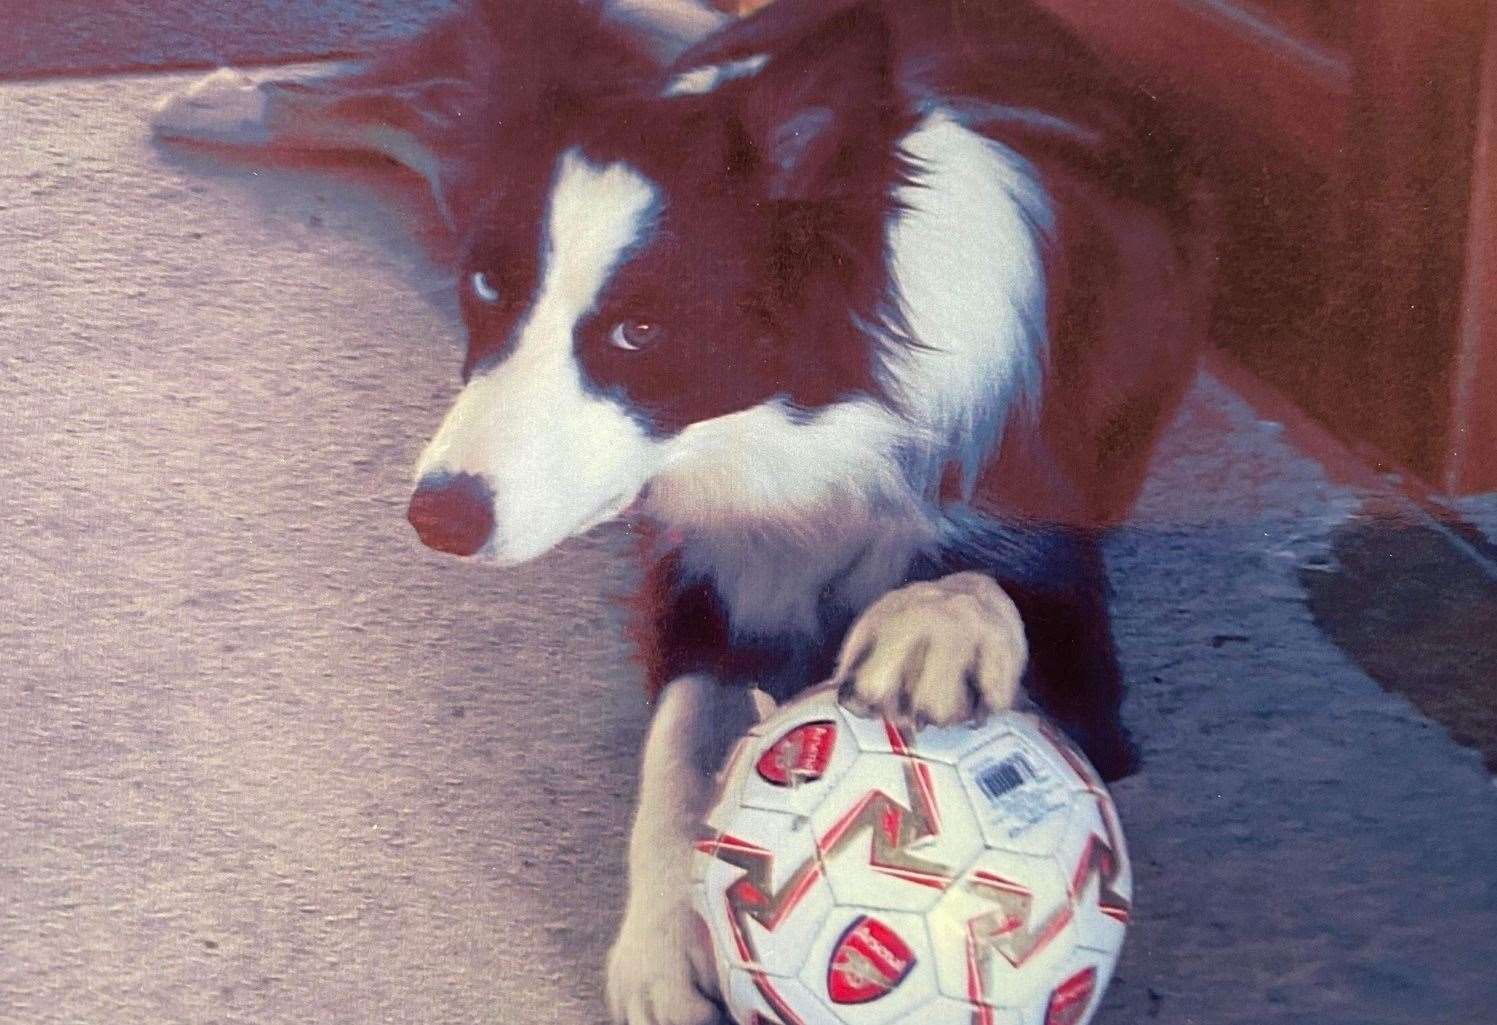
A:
[483, 287]
[635, 334]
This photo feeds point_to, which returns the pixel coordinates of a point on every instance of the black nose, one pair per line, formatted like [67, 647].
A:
[453, 514]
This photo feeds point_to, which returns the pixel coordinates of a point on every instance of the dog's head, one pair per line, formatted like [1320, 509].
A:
[677, 296]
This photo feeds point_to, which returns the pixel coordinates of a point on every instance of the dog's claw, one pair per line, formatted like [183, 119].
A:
[934, 653]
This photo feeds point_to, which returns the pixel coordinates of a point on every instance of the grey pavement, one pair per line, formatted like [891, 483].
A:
[264, 760]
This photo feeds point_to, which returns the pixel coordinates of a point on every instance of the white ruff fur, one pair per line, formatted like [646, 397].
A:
[774, 508]
[968, 264]
[558, 459]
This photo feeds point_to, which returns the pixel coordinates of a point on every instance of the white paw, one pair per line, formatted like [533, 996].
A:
[939, 652]
[660, 968]
[225, 107]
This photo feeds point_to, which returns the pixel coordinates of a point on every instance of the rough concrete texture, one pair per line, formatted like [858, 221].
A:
[266, 761]
[49, 37]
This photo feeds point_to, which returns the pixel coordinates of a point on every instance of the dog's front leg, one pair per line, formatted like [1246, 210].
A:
[939, 651]
[660, 969]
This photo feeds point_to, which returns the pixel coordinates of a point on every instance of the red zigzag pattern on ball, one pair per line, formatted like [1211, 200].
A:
[895, 828]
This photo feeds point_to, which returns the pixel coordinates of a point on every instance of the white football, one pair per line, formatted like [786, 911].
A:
[850, 874]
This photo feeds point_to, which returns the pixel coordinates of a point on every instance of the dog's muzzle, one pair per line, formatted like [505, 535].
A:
[452, 513]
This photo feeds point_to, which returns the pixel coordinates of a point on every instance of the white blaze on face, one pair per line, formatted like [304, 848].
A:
[557, 458]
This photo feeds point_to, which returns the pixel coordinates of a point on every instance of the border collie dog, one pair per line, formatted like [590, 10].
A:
[865, 324]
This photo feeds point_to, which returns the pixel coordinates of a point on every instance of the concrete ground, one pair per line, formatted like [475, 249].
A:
[265, 760]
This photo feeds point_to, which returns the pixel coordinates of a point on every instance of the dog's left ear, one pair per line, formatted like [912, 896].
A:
[821, 115]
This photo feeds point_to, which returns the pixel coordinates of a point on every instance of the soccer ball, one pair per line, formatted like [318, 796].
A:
[850, 873]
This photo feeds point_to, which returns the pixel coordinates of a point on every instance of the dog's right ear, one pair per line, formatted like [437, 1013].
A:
[822, 115]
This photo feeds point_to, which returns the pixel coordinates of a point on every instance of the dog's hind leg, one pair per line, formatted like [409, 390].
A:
[660, 970]
[415, 104]
[340, 109]
[431, 103]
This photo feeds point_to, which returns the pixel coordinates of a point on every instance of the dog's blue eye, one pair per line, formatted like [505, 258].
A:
[636, 334]
[483, 287]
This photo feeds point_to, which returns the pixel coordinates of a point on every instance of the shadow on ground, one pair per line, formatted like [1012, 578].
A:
[1417, 610]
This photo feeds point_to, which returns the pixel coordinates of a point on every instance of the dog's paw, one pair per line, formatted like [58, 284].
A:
[938, 652]
[659, 968]
[226, 107]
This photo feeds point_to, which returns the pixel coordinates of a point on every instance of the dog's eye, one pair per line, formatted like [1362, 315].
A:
[635, 334]
[483, 287]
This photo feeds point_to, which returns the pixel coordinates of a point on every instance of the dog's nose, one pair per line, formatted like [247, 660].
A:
[452, 513]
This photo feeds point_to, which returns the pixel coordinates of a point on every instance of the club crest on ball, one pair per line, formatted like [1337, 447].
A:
[869, 961]
[800, 756]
